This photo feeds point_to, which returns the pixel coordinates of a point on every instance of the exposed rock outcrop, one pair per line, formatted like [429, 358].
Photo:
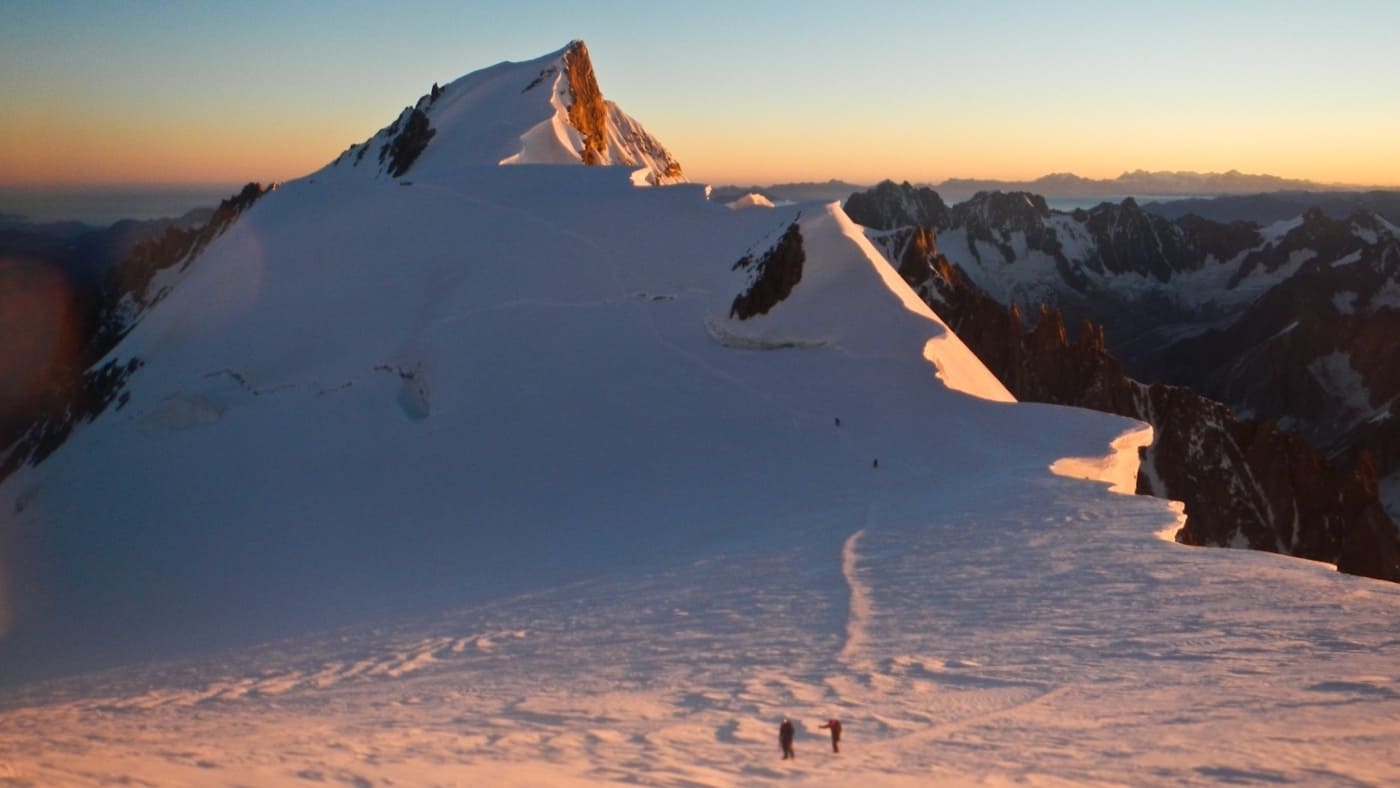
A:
[888, 206]
[774, 275]
[401, 142]
[1127, 239]
[408, 143]
[587, 112]
[1317, 351]
[995, 218]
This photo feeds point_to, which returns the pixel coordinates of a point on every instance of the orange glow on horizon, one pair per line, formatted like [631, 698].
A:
[1003, 155]
[40, 153]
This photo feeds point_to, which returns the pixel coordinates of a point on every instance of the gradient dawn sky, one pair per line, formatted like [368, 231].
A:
[119, 92]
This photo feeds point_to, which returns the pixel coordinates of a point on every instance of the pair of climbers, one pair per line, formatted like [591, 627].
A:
[786, 732]
[876, 465]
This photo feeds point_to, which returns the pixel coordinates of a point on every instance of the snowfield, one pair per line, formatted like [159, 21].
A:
[473, 479]
[963, 635]
[711, 551]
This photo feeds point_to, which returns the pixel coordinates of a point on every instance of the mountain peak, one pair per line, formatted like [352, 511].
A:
[549, 110]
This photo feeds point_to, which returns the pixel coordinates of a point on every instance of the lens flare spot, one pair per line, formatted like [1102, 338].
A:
[40, 357]
[39, 335]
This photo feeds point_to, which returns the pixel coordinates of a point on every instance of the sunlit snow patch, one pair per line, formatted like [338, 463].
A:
[1118, 468]
[750, 200]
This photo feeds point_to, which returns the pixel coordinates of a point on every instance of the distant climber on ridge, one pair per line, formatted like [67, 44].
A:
[785, 732]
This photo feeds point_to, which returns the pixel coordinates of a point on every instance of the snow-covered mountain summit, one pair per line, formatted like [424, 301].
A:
[675, 470]
[543, 111]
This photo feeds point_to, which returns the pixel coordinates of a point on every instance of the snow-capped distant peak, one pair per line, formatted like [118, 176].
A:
[543, 111]
[750, 200]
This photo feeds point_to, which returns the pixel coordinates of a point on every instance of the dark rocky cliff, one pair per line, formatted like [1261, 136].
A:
[1244, 483]
[888, 206]
[773, 275]
[1295, 323]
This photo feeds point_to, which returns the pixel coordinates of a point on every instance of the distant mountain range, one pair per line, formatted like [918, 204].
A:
[801, 191]
[84, 252]
[1065, 185]
[1137, 183]
[1280, 206]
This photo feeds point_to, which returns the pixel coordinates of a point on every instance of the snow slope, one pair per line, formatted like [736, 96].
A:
[507, 496]
[1003, 628]
[366, 396]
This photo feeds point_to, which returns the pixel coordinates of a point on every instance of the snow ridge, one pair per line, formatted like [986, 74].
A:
[843, 273]
[1118, 468]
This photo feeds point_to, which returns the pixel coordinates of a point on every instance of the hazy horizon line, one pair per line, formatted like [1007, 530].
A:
[169, 187]
[102, 204]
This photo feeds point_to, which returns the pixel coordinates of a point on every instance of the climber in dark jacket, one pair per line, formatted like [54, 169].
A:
[835, 726]
[785, 732]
